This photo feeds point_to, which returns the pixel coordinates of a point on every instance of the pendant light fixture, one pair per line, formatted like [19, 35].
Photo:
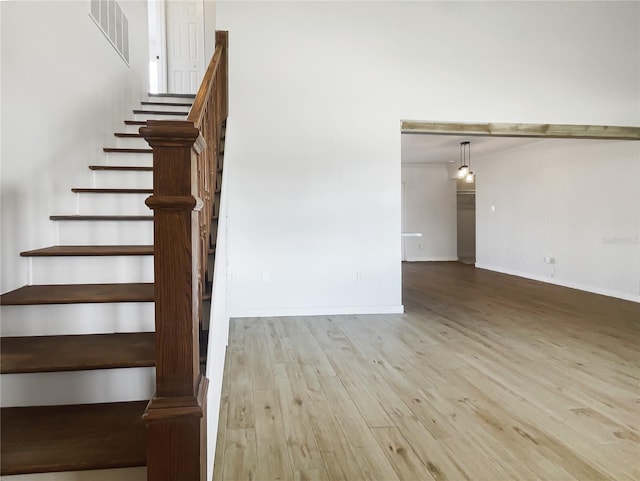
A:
[471, 177]
[464, 171]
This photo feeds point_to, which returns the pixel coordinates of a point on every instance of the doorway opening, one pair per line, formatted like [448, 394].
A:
[466, 221]
[177, 45]
[429, 200]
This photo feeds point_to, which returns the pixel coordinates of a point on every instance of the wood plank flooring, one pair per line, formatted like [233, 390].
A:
[485, 377]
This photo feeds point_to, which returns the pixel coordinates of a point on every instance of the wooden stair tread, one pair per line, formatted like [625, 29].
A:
[78, 293]
[40, 439]
[170, 104]
[101, 217]
[159, 112]
[135, 122]
[127, 135]
[132, 168]
[78, 352]
[90, 190]
[106, 250]
[119, 150]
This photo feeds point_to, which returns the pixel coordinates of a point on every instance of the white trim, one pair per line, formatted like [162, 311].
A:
[432, 259]
[403, 243]
[314, 311]
[158, 38]
[573, 285]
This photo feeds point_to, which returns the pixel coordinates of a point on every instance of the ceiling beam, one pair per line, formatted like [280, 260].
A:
[551, 131]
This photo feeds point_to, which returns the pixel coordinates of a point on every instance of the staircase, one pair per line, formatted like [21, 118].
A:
[78, 348]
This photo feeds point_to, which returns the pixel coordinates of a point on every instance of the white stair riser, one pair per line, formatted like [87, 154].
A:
[105, 232]
[159, 117]
[150, 98]
[77, 387]
[121, 204]
[166, 108]
[91, 269]
[130, 142]
[122, 179]
[133, 129]
[130, 159]
[68, 319]
[120, 474]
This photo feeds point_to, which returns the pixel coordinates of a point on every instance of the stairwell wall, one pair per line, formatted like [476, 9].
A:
[317, 104]
[64, 92]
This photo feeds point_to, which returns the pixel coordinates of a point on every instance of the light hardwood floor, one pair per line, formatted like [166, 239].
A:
[486, 377]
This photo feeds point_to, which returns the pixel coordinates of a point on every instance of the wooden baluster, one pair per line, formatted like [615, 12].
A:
[202, 217]
[176, 416]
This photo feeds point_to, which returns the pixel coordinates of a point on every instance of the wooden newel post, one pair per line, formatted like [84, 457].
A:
[176, 416]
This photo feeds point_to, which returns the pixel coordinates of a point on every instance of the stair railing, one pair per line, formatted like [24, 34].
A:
[185, 160]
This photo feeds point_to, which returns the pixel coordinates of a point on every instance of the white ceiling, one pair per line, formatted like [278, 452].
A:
[442, 149]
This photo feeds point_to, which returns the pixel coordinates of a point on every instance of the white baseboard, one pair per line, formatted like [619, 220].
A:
[314, 311]
[559, 282]
[432, 259]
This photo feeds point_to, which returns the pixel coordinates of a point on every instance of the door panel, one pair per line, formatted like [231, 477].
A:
[185, 44]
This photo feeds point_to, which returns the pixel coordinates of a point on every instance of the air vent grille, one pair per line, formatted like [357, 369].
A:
[113, 23]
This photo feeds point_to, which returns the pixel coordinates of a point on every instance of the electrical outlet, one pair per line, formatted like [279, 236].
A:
[359, 277]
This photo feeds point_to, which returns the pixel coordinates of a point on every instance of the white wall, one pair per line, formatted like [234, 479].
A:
[430, 209]
[209, 30]
[65, 90]
[317, 93]
[576, 201]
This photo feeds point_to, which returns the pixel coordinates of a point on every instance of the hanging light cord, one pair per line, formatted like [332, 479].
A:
[469, 164]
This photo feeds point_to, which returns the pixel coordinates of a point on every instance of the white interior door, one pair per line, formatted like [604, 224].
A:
[185, 45]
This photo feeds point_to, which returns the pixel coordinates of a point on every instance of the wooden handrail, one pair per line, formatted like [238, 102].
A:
[187, 158]
[199, 103]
